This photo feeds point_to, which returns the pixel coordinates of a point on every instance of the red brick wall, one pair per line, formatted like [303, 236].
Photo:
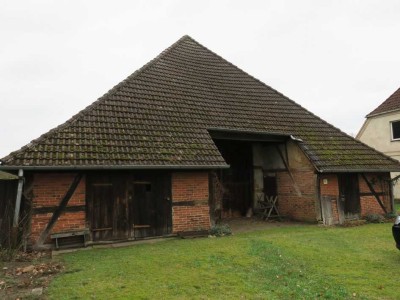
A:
[190, 189]
[298, 195]
[297, 198]
[331, 190]
[48, 189]
[332, 186]
[369, 205]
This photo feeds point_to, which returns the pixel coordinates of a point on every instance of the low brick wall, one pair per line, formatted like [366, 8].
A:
[190, 193]
[48, 189]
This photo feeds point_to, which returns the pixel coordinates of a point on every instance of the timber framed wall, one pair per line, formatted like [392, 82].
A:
[329, 192]
[190, 208]
[48, 189]
[297, 187]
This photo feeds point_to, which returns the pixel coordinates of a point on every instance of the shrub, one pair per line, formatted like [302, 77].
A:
[220, 230]
[353, 223]
[390, 215]
[374, 218]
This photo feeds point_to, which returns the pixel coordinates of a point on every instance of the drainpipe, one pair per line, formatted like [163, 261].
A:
[19, 195]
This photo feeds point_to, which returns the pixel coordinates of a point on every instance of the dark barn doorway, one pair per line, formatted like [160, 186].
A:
[349, 195]
[128, 205]
[237, 181]
[270, 184]
[8, 194]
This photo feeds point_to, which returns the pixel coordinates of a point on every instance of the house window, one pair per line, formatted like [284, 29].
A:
[395, 130]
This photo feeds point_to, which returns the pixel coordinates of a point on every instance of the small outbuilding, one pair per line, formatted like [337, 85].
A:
[185, 141]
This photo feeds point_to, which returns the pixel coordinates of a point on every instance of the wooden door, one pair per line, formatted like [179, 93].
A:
[150, 205]
[101, 211]
[107, 206]
[326, 210]
[129, 205]
[349, 195]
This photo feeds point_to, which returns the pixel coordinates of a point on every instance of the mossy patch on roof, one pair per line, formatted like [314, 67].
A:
[160, 115]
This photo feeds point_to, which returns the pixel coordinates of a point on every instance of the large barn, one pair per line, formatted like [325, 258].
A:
[183, 142]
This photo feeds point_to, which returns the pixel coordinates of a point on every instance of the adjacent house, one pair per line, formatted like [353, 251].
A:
[381, 130]
[185, 141]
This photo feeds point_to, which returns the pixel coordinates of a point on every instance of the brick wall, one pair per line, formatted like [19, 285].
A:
[297, 198]
[48, 189]
[298, 195]
[369, 205]
[329, 187]
[190, 210]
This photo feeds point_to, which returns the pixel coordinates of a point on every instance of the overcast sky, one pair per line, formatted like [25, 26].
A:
[338, 59]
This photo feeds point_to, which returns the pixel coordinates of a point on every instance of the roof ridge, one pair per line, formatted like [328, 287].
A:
[97, 102]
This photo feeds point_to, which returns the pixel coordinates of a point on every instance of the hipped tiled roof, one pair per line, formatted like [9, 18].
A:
[390, 104]
[160, 117]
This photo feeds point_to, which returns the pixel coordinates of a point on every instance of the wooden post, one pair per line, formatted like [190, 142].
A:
[59, 210]
[14, 229]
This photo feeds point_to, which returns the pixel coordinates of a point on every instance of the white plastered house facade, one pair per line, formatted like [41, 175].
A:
[381, 130]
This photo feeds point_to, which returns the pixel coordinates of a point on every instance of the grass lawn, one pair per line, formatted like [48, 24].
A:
[299, 262]
[397, 206]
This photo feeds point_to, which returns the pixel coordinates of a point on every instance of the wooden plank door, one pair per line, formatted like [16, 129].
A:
[349, 195]
[107, 210]
[326, 210]
[150, 205]
[101, 209]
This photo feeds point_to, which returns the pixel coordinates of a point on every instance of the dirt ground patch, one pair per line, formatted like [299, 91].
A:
[28, 275]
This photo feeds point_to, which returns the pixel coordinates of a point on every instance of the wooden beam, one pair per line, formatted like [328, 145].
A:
[371, 188]
[59, 210]
[371, 194]
[52, 209]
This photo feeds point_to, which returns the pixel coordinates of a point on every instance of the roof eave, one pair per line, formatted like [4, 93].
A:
[382, 113]
[358, 170]
[122, 167]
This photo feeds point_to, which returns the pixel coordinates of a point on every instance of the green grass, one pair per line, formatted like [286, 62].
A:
[299, 262]
[397, 206]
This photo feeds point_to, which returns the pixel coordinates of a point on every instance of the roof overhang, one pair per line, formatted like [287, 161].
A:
[245, 135]
[115, 167]
[325, 171]
[382, 113]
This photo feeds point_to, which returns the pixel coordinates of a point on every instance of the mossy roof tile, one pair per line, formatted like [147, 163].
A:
[160, 116]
